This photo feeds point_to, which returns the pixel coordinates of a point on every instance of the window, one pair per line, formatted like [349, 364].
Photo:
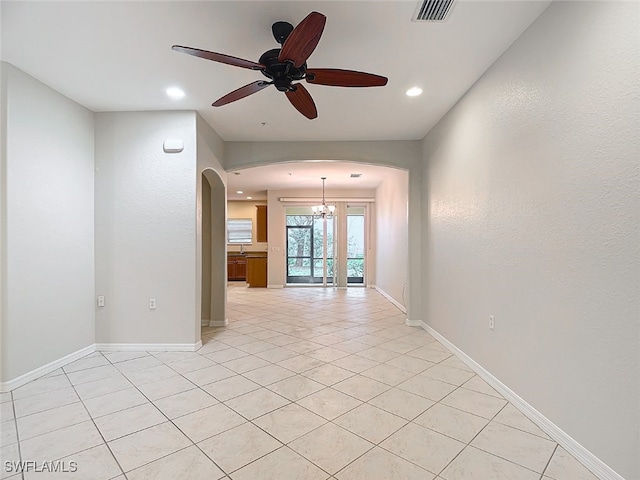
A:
[239, 230]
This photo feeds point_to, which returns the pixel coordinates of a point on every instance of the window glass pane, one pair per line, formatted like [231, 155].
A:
[239, 230]
[355, 267]
[299, 267]
[299, 220]
[355, 233]
[298, 242]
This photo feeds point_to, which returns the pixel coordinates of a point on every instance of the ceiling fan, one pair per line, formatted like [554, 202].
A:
[286, 65]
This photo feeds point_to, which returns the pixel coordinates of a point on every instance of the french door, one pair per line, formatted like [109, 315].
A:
[305, 249]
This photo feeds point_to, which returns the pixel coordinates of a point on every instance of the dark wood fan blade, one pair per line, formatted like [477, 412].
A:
[344, 78]
[302, 101]
[241, 93]
[218, 57]
[301, 43]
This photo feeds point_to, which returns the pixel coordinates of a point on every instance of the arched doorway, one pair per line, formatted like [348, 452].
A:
[213, 251]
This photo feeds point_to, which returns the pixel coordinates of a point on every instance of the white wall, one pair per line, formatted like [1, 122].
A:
[145, 212]
[47, 236]
[392, 235]
[532, 194]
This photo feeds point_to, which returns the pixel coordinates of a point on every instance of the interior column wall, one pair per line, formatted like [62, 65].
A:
[47, 225]
[532, 194]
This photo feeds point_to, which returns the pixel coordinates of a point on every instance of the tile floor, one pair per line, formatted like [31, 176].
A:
[304, 383]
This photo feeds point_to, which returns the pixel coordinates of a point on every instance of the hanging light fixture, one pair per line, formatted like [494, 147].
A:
[323, 210]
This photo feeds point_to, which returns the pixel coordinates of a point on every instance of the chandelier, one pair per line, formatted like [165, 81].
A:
[323, 210]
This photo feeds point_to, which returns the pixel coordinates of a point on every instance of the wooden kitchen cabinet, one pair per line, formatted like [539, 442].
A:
[261, 223]
[257, 270]
[236, 267]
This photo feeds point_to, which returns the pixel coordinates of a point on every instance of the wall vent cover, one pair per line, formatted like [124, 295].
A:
[433, 10]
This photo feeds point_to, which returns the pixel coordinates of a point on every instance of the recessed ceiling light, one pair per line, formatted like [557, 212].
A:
[239, 191]
[175, 92]
[249, 198]
[414, 91]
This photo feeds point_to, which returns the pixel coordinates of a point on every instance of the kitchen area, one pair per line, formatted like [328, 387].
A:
[247, 243]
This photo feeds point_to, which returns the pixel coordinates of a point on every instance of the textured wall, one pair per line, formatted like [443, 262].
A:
[146, 228]
[48, 237]
[532, 191]
[392, 235]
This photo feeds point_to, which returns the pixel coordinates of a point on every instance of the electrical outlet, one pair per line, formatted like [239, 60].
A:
[492, 322]
[101, 300]
[152, 304]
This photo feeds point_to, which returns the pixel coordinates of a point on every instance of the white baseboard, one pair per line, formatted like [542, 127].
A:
[413, 323]
[204, 322]
[48, 368]
[402, 308]
[218, 323]
[148, 347]
[584, 456]
[275, 286]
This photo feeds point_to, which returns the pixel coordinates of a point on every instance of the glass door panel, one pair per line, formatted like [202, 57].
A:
[305, 248]
[355, 245]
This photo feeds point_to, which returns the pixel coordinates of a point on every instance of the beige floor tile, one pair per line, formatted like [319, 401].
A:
[5, 397]
[96, 463]
[361, 388]
[351, 346]
[329, 403]
[301, 363]
[302, 346]
[519, 447]
[296, 387]
[140, 363]
[149, 375]
[8, 433]
[387, 374]
[166, 387]
[51, 420]
[355, 364]
[474, 402]
[239, 446]
[116, 357]
[410, 364]
[330, 447]
[256, 346]
[11, 454]
[404, 404]
[45, 401]
[256, 403]
[93, 374]
[190, 364]
[328, 374]
[455, 362]
[245, 364]
[187, 464]
[85, 363]
[6, 412]
[103, 387]
[327, 354]
[114, 402]
[42, 385]
[184, 403]
[427, 387]
[226, 355]
[269, 374]
[455, 376]
[478, 385]
[378, 464]
[397, 346]
[283, 464]
[172, 357]
[424, 447]
[371, 423]
[61, 443]
[124, 422]
[429, 354]
[452, 422]
[289, 422]
[513, 417]
[474, 464]
[231, 387]
[208, 422]
[377, 354]
[563, 466]
[149, 445]
[208, 375]
[276, 354]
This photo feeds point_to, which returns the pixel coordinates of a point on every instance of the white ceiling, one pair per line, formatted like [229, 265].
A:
[254, 182]
[116, 56]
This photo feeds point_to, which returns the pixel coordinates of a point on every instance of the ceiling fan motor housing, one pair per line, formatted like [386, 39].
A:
[281, 73]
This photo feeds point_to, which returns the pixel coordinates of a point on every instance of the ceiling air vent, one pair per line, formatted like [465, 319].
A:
[433, 10]
[356, 175]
